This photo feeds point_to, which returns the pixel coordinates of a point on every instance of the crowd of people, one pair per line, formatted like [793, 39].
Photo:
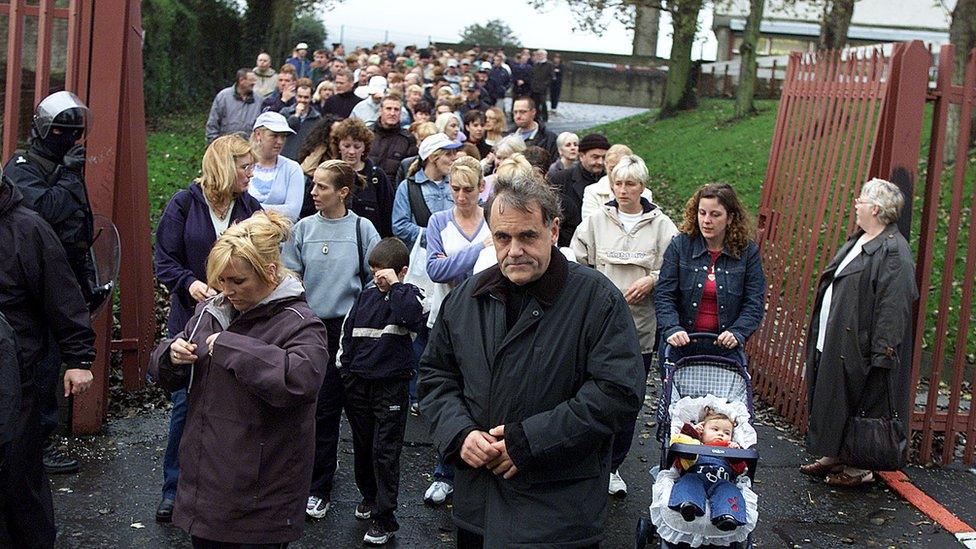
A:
[368, 238]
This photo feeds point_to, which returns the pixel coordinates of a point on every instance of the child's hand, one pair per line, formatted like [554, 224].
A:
[388, 275]
[734, 445]
[700, 428]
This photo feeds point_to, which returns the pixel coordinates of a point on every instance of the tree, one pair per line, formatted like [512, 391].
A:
[310, 30]
[646, 25]
[493, 33]
[684, 20]
[269, 24]
[834, 24]
[747, 60]
[593, 16]
[962, 35]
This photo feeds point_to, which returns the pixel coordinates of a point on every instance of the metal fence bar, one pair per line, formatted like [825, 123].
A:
[42, 69]
[11, 103]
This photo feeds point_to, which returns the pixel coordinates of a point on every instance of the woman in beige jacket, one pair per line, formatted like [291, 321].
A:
[626, 241]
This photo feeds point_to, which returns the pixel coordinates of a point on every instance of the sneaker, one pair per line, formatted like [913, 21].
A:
[377, 534]
[438, 492]
[415, 409]
[725, 523]
[689, 511]
[317, 507]
[364, 510]
[617, 486]
[56, 463]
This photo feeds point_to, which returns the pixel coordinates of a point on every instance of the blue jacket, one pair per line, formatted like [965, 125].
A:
[378, 332]
[741, 288]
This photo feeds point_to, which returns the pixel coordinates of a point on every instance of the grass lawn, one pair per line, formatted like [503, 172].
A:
[699, 147]
[174, 149]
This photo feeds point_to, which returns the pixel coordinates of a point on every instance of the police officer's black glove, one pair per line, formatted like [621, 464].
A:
[74, 159]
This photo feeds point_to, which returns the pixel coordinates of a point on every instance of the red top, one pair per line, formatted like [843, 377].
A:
[707, 319]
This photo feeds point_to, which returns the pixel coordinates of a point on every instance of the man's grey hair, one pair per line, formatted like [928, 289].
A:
[886, 196]
[242, 74]
[523, 191]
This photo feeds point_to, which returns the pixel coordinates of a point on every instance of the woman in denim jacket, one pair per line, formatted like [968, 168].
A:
[712, 278]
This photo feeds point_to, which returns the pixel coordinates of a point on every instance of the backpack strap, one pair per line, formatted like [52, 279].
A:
[418, 206]
[362, 253]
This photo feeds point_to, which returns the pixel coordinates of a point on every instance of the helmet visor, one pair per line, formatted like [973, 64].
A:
[61, 110]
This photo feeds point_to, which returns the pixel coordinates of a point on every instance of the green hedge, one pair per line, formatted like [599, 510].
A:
[191, 50]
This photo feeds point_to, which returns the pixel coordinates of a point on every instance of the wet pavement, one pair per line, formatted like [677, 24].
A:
[112, 502]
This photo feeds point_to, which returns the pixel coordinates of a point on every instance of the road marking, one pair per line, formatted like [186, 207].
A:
[901, 484]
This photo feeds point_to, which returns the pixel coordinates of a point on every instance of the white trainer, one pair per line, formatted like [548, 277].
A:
[317, 507]
[438, 492]
[617, 485]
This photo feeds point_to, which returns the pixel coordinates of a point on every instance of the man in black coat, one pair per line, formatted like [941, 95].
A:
[541, 79]
[41, 300]
[50, 177]
[391, 143]
[571, 182]
[529, 129]
[302, 117]
[345, 98]
[531, 367]
[283, 96]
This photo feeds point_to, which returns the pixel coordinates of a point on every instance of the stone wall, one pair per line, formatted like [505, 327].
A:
[585, 83]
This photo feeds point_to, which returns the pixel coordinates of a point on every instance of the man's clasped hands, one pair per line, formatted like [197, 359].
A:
[481, 449]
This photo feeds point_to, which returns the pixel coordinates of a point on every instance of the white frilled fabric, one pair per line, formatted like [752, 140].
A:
[670, 525]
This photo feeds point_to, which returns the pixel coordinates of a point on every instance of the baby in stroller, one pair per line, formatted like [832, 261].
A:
[709, 478]
[702, 494]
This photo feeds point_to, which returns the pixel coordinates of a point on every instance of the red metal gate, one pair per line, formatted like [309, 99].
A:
[98, 49]
[842, 120]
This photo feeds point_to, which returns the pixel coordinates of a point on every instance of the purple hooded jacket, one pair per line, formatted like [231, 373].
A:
[184, 237]
[246, 452]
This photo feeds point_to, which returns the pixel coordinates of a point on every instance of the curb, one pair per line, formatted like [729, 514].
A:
[902, 485]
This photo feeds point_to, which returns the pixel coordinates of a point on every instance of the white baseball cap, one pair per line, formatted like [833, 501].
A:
[274, 122]
[436, 142]
[485, 66]
[301, 46]
[377, 84]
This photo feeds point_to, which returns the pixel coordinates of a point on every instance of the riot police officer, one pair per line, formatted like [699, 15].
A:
[50, 177]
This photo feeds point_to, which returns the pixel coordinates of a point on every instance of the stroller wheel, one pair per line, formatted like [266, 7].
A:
[645, 531]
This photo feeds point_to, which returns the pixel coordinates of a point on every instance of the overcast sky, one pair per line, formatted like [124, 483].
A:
[361, 22]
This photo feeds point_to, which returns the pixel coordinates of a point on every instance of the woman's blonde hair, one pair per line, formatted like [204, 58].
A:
[443, 119]
[512, 166]
[342, 175]
[256, 241]
[219, 169]
[616, 152]
[323, 85]
[418, 163]
[423, 130]
[466, 172]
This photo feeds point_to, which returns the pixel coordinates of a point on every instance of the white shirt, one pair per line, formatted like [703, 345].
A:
[829, 294]
[629, 220]
[219, 225]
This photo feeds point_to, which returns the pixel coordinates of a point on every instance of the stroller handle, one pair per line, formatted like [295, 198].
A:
[706, 337]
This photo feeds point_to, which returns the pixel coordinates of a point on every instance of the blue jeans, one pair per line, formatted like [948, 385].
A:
[709, 479]
[443, 471]
[171, 460]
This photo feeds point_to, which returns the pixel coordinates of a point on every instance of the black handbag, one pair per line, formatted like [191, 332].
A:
[876, 443]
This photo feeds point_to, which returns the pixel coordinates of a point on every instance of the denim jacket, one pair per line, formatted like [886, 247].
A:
[741, 288]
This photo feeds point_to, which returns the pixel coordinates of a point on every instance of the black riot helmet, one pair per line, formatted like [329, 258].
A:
[63, 110]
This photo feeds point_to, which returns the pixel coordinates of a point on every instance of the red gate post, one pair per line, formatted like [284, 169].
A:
[116, 176]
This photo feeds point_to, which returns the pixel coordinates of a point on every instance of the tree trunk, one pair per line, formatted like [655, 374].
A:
[257, 25]
[747, 60]
[962, 35]
[279, 37]
[684, 17]
[833, 27]
[646, 23]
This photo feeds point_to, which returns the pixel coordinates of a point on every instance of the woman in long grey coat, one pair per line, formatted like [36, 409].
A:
[860, 336]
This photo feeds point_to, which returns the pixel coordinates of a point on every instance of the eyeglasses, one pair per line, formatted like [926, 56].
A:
[246, 167]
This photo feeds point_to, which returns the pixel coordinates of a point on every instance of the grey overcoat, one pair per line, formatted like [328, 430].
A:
[868, 339]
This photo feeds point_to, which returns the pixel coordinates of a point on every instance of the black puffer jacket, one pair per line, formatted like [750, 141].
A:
[9, 382]
[390, 146]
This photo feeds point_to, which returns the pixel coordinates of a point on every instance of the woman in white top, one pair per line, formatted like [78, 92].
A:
[599, 193]
[455, 238]
[278, 182]
[567, 143]
[626, 241]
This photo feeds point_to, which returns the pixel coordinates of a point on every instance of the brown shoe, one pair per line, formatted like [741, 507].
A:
[843, 480]
[818, 469]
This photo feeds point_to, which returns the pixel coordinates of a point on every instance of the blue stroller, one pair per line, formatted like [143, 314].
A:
[695, 375]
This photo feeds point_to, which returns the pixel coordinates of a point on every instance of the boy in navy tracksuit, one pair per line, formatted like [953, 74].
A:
[376, 363]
